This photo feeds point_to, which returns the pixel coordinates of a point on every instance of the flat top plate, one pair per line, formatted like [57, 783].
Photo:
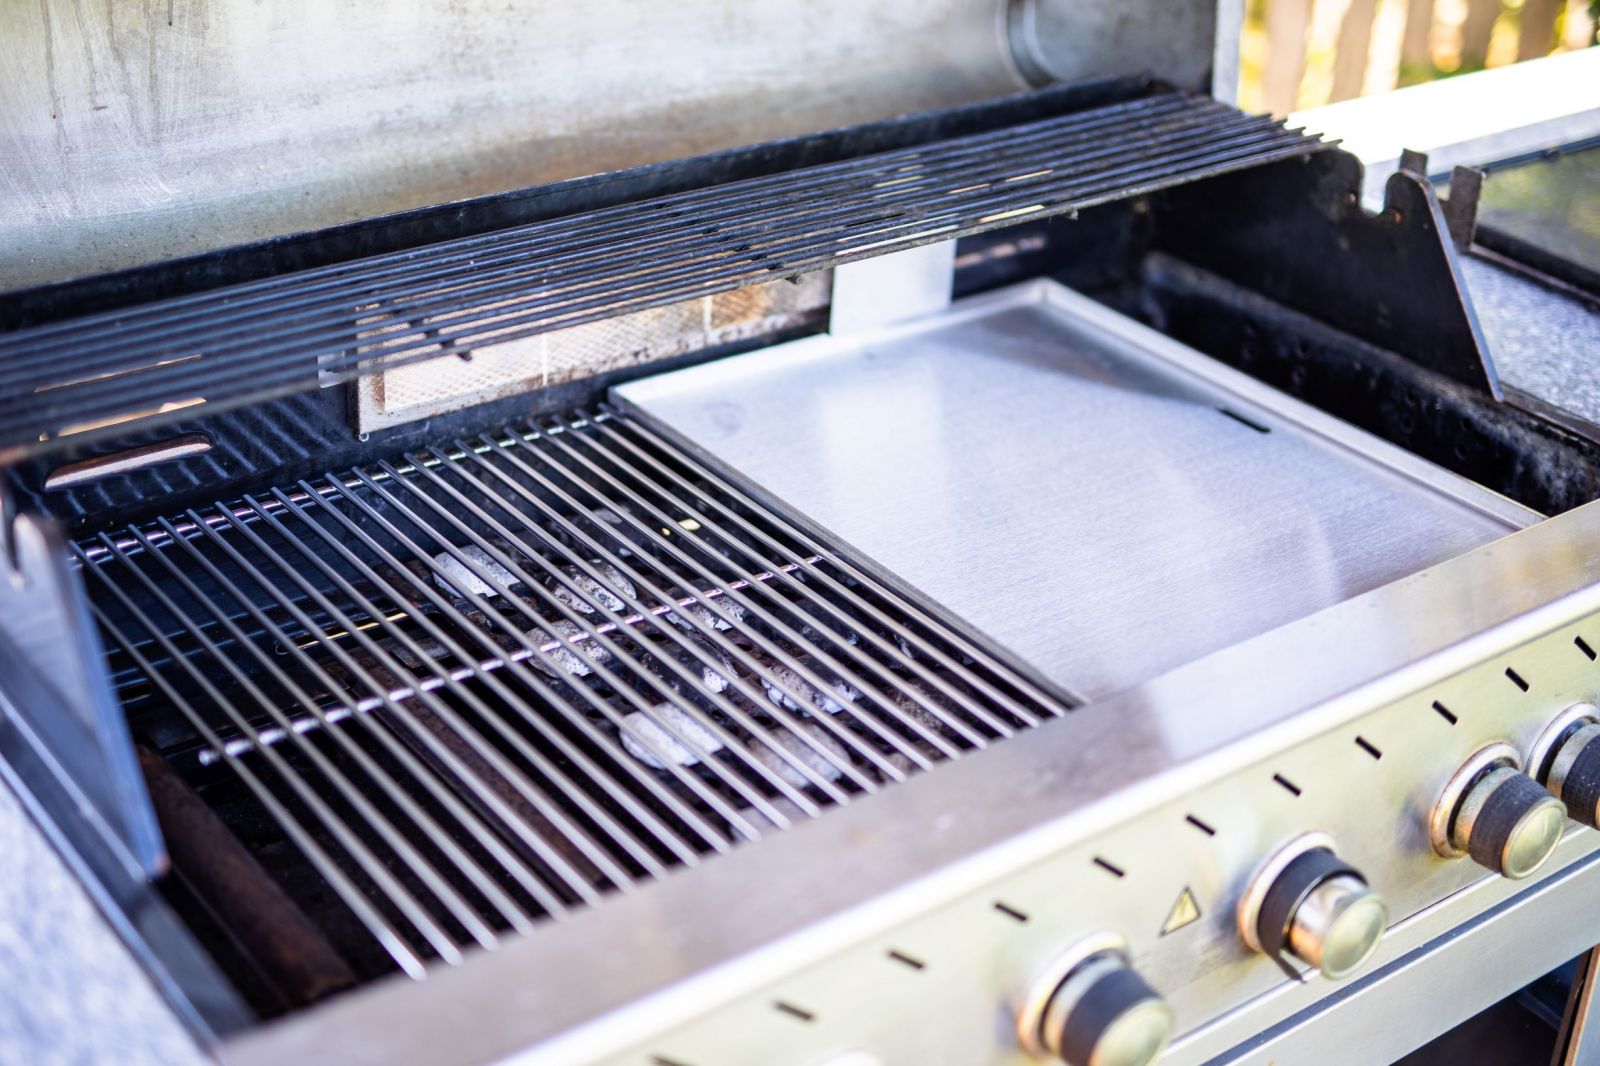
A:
[1101, 500]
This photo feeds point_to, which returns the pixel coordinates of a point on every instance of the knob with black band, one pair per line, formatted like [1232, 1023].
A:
[1104, 1014]
[1507, 822]
[1573, 775]
[1320, 910]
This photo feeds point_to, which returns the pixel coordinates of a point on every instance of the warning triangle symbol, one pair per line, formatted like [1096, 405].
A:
[1184, 910]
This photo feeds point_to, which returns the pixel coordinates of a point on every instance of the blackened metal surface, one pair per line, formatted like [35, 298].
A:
[1097, 249]
[1296, 232]
[93, 376]
[293, 956]
[1497, 445]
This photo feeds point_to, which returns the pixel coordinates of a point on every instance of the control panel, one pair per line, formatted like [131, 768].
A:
[1135, 944]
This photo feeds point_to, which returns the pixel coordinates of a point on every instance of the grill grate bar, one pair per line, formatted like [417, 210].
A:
[600, 664]
[239, 745]
[287, 333]
[800, 687]
[765, 614]
[774, 198]
[681, 846]
[347, 839]
[485, 685]
[344, 785]
[666, 630]
[375, 330]
[478, 747]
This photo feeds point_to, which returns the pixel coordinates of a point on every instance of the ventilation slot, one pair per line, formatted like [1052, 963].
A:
[1114, 871]
[1243, 421]
[794, 1012]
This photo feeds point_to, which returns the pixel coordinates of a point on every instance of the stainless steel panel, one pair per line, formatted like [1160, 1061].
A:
[1098, 498]
[133, 133]
[697, 960]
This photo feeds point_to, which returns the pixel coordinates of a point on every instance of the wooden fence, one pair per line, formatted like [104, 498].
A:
[1540, 27]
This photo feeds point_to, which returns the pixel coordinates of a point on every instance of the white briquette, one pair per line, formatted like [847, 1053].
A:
[594, 590]
[568, 658]
[459, 579]
[670, 730]
[702, 617]
[817, 751]
[779, 675]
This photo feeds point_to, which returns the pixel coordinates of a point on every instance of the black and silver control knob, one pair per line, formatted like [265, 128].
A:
[1091, 1008]
[1104, 1014]
[1498, 815]
[1308, 903]
[1572, 774]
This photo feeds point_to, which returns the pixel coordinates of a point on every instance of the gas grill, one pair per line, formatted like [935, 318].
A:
[1049, 578]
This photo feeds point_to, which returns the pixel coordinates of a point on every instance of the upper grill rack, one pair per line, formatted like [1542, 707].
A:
[284, 334]
[488, 684]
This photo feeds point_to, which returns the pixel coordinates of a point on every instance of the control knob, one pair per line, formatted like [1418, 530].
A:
[1498, 815]
[1572, 773]
[1100, 1012]
[1308, 903]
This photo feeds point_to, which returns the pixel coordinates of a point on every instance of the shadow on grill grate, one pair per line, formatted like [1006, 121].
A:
[488, 684]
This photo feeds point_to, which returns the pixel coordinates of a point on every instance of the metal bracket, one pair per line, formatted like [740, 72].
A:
[60, 725]
[1578, 1042]
[1296, 232]
[892, 288]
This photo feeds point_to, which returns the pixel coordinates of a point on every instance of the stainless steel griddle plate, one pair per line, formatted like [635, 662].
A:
[1099, 498]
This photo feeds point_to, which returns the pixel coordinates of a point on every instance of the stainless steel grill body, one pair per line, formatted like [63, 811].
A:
[826, 703]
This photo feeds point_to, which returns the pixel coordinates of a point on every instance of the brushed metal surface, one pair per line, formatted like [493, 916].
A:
[689, 968]
[138, 132]
[1101, 500]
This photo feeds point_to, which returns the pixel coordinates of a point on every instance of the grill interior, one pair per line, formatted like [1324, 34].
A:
[445, 698]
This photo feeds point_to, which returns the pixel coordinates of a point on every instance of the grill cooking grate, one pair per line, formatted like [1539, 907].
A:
[486, 685]
[276, 335]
